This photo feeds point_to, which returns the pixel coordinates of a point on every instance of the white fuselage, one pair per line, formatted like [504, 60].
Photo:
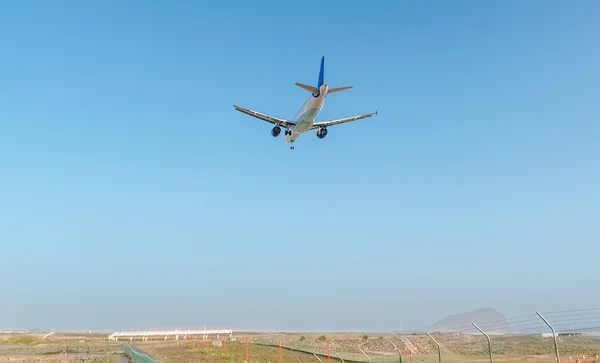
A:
[306, 115]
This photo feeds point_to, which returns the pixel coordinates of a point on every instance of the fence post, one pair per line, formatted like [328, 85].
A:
[342, 359]
[553, 335]
[398, 350]
[247, 353]
[279, 357]
[488, 339]
[365, 354]
[438, 347]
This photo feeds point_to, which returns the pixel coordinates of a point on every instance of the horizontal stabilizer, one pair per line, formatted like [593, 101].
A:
[338, 89]
[310, 89]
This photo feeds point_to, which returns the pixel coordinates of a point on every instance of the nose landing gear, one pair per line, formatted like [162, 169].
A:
[289, 133]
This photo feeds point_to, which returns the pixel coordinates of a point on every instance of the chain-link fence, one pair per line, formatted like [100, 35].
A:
[562, 336]
[136, 355]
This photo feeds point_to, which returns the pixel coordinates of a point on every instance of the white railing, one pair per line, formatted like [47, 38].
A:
[166, 333]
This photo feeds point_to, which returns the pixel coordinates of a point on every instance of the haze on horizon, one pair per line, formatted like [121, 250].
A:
[134, 196]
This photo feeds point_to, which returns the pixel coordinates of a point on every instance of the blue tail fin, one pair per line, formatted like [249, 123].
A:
[321, 73]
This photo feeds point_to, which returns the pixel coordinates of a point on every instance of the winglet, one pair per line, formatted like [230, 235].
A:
[321, 73]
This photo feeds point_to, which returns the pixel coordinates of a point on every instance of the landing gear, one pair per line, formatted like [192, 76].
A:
[290, 138]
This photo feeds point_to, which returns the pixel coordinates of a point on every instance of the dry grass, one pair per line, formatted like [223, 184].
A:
[56, 359]
[205, 352]
[55, 339]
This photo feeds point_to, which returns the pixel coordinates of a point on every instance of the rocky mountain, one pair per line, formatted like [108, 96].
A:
[460, 322]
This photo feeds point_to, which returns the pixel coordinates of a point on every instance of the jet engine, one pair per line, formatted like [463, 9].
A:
[321, 133]
[276, 131]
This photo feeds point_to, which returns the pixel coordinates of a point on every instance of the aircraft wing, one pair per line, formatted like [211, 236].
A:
[320, 124]
[274, 120]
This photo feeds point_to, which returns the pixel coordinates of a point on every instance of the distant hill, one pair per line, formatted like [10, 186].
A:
[458, 322]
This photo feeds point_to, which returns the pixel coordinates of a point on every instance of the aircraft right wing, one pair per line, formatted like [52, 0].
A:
[274, 120]
[318, 125]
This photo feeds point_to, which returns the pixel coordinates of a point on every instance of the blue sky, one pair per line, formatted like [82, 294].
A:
[134, 195]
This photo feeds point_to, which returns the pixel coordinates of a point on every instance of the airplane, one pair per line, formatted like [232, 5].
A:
[305, 118]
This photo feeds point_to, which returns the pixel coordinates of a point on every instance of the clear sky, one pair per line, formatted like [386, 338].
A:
[135, 196]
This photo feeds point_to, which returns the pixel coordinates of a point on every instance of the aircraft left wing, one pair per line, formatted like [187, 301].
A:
[318, 125]
[274, 120]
